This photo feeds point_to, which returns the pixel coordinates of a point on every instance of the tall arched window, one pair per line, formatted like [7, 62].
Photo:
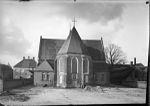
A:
[74, 65]
[85, 65]
[55, 65]
[60, 64]
[69, 64]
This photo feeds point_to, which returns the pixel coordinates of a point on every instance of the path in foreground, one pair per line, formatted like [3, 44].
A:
[51, 96]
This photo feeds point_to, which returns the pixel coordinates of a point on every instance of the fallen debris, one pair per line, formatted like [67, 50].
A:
[96, 89]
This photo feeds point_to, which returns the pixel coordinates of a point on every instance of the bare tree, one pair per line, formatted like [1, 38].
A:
[114, 55]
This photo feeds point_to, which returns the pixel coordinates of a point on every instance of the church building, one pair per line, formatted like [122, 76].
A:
[76, 62]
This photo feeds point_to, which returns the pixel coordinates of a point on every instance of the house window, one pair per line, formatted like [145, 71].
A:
[22, 71]
[48, 76]
[45, 76]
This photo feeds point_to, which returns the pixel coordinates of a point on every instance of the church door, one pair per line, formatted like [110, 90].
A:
[74, 72]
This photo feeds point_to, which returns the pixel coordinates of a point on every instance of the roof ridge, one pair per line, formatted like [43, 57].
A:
[69, 39]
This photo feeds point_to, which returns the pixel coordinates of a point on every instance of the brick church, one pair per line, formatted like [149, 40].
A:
[72, 62]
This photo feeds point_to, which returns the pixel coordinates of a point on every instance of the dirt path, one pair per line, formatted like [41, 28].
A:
[51, 96]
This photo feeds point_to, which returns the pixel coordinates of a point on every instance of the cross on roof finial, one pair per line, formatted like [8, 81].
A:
[74, 20]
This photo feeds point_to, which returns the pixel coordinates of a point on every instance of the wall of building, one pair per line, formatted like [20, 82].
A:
[135, 84]
[39, 82]
[64, 68]
[62, 71]
[22, 72]
[100, 69]
[102, 78]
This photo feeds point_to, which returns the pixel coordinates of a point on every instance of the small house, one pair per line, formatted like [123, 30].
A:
[44, 74]
[24, 69]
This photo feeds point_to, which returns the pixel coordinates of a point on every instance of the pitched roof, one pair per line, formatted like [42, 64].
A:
[26, 63]
[44, 66]
[95, 49]
[73, 44]
[48, 48]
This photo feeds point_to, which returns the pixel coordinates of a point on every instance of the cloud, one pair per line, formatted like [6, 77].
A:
[12, 41]
[92, 12]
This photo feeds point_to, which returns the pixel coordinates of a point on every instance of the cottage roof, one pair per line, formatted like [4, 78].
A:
[26, 63]
[48, 48]
[44, 66]
[73, 44]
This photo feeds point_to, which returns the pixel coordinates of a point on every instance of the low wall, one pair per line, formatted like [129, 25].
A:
[130, 83]
[16, 83]
[142, 84]
[135, 84]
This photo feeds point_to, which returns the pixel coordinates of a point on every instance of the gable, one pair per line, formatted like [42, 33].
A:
[44, 66]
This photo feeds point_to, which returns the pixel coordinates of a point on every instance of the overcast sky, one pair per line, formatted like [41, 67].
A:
[22, 23]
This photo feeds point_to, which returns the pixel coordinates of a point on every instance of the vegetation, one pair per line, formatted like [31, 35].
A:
[114, 55]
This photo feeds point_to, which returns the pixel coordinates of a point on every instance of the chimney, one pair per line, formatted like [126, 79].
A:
[134, 61]
[28, 57]
[23, 57]
[131, 63]
[33, 58]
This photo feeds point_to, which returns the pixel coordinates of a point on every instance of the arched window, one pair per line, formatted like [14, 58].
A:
[74, 65]
[59, 64]
[69, 63]
[85, 65]
[55, 65]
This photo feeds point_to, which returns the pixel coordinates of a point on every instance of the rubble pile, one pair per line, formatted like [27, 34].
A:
[94, 89]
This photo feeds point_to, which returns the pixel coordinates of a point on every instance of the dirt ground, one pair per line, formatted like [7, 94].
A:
[31, 95]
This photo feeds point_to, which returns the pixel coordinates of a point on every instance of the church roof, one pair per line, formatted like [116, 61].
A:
[48, 48]
[73, 44]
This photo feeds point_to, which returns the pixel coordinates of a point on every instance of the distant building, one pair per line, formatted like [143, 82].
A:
[44, 74]
[6, 73]
[24, 69]
[76, 62]
[141, 71]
